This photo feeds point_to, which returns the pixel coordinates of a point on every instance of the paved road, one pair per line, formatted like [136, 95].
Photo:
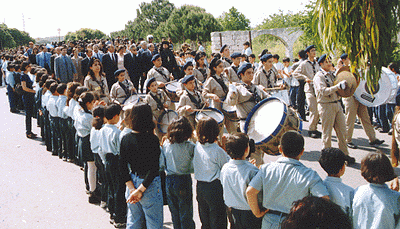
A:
[40, 191]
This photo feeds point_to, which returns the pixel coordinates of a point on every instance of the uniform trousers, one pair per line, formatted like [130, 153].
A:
[55, 135]
[314, 114]
[332, 117]
[63, 129]
[353, 108]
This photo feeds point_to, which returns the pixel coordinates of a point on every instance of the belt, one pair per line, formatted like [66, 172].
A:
[332, 102]
[242, 119]
[278, 213]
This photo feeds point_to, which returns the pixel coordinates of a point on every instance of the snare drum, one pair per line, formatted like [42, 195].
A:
[268, 121]
[166, 118]
[171, 89]
[212, 113]
[133, 99]
[230, 112]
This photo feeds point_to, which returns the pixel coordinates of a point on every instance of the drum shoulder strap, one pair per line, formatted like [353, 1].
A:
[160, 105]
[194, 100]
[162, 74]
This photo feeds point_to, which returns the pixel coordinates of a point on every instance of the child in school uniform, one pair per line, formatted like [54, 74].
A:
[54, 120]
[63, 122]
[188, 71]
[283, 182]
[333, 161]
[77, 109]
[70, 130]
[374, 204]
[97, 124]
[190, 100]
[235, 177]
[45, 112]
[208, 160]
[126, 122]
[157, 99]
[83, 126]
[176, 160]
[110, 146]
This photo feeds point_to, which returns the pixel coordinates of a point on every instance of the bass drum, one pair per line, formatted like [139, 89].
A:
[383, 92]
[268, 121]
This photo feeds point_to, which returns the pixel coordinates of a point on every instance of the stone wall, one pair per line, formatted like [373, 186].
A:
[235, 39]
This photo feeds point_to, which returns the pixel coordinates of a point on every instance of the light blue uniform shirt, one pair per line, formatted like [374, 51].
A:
[51, 106]
[95, 143]
[109, 139]
[340, 193]
[208, 161]
[71, 108]
[177, 158]
[60, 104]
[376, 206]
[235, 177]
[10, 79]
[285, 181]
[124, 132]
[83, 123]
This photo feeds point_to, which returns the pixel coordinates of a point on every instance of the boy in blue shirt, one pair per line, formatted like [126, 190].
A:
[54, 120]
[235, 177]
[110, 146]
[283, 182]
[333, 161]
[63, 122]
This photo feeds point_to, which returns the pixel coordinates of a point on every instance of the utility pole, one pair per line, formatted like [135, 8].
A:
[59, 36]
[23, 22]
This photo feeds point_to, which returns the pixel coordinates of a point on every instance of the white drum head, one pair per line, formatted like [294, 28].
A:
[173, 87]
[266, 120]
[385, 90]
[133, 99]
[215, 114]
[165, 119]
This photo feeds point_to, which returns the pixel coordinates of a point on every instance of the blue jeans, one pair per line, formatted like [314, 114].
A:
[180, 200]
[390, 112]
[383, 119]
[11, 97]
[149, 210]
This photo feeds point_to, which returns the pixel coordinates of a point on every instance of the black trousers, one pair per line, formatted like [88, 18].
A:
[301, 100]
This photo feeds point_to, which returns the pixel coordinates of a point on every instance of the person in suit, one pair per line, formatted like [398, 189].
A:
[64, 68]
[43, 58]
[57, 53]
[131, 63]
[97, 53]
[145, 62]
[85, 62]
[110, 65]
[77, 61]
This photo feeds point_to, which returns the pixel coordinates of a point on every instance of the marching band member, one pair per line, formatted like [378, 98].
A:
[231, 71]
[329, 107]
[201, 71]
[160, 73]
[307, 70]
[225, 55]
[122, 89]
[245, 96]
[190, 99]
[157, 99]
[216, 89]
[265, 76]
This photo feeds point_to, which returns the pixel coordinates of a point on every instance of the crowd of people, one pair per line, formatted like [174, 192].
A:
[100, 104]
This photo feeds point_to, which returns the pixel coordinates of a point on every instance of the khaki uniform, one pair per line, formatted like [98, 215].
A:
[244, 101]
[99, 87]
[307, 70]
[232, 75]
[185, 100]
[267, 79]
[162, 96]
[330, 110]
[211, 86]
[353, 108]
[182, 88]
[118, 94]
[201, 73]
[227, 62]
[159, 77]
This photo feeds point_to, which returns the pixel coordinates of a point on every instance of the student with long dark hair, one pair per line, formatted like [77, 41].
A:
[96, 81]
[28, 98]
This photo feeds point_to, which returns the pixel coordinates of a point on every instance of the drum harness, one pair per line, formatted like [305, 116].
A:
[221, 83]
[328, 84]
[268, 77]
[160, 105]
[254, 98]
[204, 72]
[125, 87]
[194, 100]
[162, 74]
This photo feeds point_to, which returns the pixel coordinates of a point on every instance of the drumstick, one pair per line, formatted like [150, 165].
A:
[273, 89]
[170, 82]
[200, 110]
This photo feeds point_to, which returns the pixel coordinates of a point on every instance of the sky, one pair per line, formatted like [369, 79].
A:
[43, 18]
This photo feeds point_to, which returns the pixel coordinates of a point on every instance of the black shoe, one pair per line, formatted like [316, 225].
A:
[315, 135]
[14, 110]
[31, 135]
[119, 225]
[351, 145]
[350, 160]
[376, 142]
[390, 132]
[383, 131]
[93, 198]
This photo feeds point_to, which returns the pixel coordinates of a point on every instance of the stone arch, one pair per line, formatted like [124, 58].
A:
[235, 39]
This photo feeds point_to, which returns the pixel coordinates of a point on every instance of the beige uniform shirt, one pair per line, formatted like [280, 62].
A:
[117, 93]
[226, 63]
[199, 75]
[243, 99]
[95, 87]
[153, 104]
[211, 86]
[184, 100]
[266, 79]
[325, 91]
[307, 70]
[182, 88]
[232, 75]
[159, 77]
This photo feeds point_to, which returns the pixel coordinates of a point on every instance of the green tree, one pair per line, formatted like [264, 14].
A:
[234, 20]
[364, 29]
[83, 34]
[283, 20]
[148, 17]
[6, 40]
[20, 37]
[189, 22]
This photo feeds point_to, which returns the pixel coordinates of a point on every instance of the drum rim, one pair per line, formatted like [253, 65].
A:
[131, 96]
[255, 108]
[166, 87]
[211, 108]
[161, 116]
